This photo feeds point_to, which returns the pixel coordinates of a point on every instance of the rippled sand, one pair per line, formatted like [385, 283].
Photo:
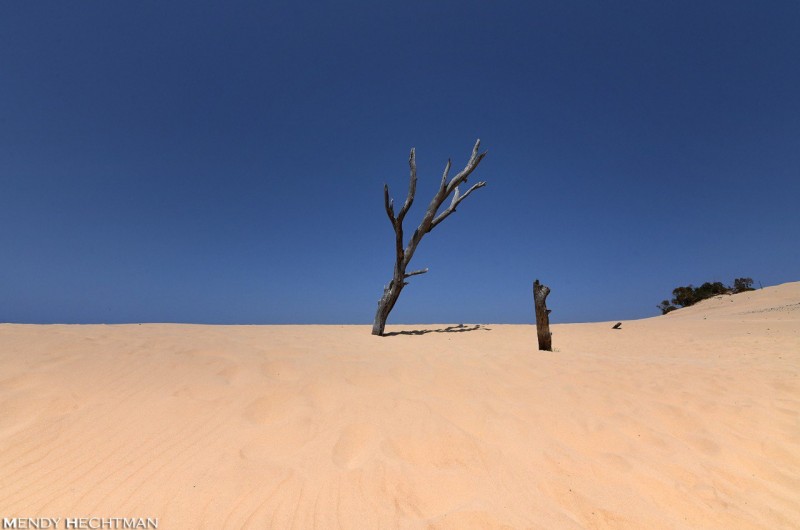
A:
[691, 420]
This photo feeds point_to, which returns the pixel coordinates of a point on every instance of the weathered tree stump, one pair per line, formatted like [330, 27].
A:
[540, 293]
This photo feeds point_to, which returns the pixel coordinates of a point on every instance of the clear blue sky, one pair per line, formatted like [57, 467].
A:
[223, 162]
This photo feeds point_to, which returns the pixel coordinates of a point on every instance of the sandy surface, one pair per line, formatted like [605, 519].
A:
[691, 420]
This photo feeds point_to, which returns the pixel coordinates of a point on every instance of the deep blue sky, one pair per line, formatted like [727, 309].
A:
[224, 162]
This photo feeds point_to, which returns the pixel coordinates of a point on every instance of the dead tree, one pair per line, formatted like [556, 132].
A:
[540, 293]
[431, 219]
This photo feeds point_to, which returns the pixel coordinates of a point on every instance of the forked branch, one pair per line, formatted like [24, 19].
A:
[457, 198]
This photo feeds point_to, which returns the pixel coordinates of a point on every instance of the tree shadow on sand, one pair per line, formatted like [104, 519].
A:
[461, 328]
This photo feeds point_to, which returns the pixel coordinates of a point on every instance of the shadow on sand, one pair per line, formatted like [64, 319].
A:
[461, 328]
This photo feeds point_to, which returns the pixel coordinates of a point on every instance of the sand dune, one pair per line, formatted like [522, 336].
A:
[691, 420]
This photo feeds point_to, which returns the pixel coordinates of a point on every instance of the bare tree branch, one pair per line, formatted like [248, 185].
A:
[445, 175]
[414, 273]
[388, 204]
[412, 186]
[429, 221]
[454, 203]
[462, 175]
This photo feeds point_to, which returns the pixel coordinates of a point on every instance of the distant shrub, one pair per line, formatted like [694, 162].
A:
[666, 307]
[741, 285]
[684, 296]
[708, 289]
[690, 295]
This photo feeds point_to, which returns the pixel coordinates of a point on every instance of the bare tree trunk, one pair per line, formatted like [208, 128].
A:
[540, 293]
[385, 305]
[430, 220]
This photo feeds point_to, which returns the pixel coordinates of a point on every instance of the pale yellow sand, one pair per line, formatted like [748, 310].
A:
[686, 421]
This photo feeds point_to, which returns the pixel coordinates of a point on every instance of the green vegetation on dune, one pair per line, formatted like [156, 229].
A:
[689, 295]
